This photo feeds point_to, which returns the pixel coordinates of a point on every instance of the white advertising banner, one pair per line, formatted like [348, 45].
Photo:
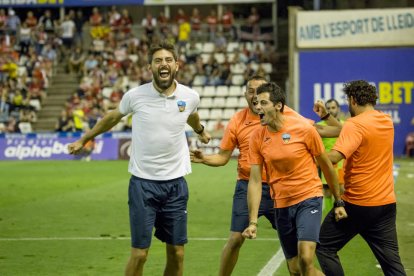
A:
[355, 28]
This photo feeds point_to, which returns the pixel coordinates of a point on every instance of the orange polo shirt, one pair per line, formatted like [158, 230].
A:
[366, 141]
[238, 132]
[288, 156]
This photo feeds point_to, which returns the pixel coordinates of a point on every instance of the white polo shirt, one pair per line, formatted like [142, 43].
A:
[159, 145]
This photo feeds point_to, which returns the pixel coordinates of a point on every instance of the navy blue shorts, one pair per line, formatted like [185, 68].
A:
[240, 212]
[299, 222]
[162, 204]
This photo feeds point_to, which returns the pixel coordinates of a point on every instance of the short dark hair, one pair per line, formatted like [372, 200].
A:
[276, 94]
[362, 92]
[257, 77]
[160, 46]
[332, 100]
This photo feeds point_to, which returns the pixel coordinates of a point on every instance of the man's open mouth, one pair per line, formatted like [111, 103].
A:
[164, 73]
[261, 115]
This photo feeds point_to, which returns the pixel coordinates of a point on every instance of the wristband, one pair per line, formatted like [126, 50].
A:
[253, 223]
[339, 203]
[200, 131]
[326, 116]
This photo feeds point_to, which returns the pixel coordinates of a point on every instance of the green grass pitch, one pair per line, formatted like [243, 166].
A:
[71, 218]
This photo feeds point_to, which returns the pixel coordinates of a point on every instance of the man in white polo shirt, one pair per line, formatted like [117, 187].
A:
[160, 158]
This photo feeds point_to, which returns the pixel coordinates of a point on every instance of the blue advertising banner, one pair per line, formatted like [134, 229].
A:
[65, 3]
[322, 74]
[52, 148]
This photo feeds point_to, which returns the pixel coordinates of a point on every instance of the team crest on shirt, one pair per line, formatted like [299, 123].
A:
[286, 137]
[181, 105]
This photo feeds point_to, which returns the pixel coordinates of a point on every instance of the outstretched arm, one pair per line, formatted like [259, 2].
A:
[213, 160]
[254, 195]
[332, 179]
[107, 122]
[194, 122]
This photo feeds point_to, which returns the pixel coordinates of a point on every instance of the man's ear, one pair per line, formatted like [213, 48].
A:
[278, 106]
[177, 65]
[149, 67]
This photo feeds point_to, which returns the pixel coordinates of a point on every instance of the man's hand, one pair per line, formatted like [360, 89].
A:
[204, 137]
[320, 109]
[250, 232]
[340, 213]
[75, 147]
[196, 156]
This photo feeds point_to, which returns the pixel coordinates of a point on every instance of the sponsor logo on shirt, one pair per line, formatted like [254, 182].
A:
[286, 137]
[181, 105]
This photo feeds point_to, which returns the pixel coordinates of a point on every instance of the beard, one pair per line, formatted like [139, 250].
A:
[163, 83]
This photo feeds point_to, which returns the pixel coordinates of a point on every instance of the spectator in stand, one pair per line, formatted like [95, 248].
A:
[25, 34]
[220, 43]
[196, 22]
[227, 22]
[212, 22]
[9, 68]
[184, 33]
[64, 123]
[162, 21]
[114, 19]
[180, 18]
[253, 21]
[94, 116]
[12, 24]
[68, 29]
[192, 52]
[90, 63]
[47, 22]
[79, 21]
[3, 22]
[50, 53]
[210, 67]
[31, 20]
[4, 106]
[40, 39]
[18, 101]
[96, 22]
[78, 117]
[12, 126]
[76, 61]
[150, 24]
[125, 23]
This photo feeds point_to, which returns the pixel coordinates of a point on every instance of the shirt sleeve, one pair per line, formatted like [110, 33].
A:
[255, 157]
[314, 142]
[125, 104]
[229, 140]
[197, 103]
[349, 140]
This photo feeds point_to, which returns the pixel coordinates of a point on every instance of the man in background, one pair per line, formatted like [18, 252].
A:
[333, 109]
[366, 144]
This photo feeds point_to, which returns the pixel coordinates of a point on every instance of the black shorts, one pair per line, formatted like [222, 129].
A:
[162, 204]
[299, 222]
[240, 211]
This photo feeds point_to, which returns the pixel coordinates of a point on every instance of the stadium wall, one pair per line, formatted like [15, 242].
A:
[333, 47]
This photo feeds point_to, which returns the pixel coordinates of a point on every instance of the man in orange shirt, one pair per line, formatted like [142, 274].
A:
[237, 134]
[366, 144]
[286, 147]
